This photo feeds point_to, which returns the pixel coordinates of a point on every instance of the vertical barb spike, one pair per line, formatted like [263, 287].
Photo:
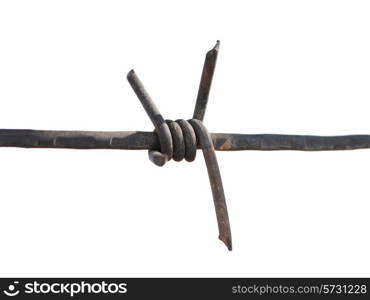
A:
[207, 146]
[215, 180]
[206, 82]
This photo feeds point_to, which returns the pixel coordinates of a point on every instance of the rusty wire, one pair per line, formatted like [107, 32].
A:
[180, 139]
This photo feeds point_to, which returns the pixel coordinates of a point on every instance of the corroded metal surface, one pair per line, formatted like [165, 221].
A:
[215, 180]
[180, 139]
[206, 82]
[144, 140]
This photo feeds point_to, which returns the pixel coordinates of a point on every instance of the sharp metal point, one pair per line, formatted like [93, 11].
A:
[206, 82]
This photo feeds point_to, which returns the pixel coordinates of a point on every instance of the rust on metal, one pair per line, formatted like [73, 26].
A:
[180, 139]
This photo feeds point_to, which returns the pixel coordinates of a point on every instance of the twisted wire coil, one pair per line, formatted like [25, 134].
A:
[178, 141]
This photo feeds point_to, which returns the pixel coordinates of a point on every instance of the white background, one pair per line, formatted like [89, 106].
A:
[299, 67]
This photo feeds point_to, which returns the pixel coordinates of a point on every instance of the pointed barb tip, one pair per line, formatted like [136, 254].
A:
[217, 46]
[215, 49]
[129, 74]
[227, 241]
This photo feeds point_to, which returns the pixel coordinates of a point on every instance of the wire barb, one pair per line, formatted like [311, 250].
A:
[179, 139]
[161, 127]
[206, 82]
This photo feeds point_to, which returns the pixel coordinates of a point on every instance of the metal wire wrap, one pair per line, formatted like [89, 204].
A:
[178, 141]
